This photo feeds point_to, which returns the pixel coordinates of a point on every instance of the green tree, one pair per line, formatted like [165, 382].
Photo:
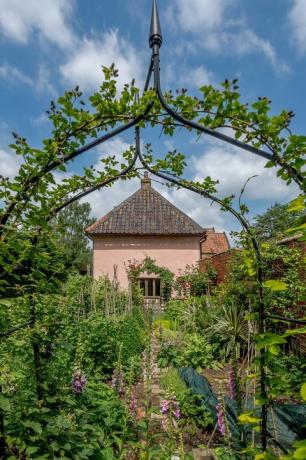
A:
[275, 221]
[69, 226]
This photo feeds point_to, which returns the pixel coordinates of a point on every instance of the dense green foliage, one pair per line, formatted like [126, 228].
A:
[276, 221]
[195, 283]
[73, 332]
[69, 225]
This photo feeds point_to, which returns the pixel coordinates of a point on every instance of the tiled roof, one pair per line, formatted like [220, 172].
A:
[146, 212]
[215, 243]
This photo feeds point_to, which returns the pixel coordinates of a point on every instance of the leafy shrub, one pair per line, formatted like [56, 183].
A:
[193, 409]
[131, 334]
[83, 426]
[198, 352]
[193, 282]
[192, 351]
[287, 374]
[168, 355]
[190, 315]
[100, 340]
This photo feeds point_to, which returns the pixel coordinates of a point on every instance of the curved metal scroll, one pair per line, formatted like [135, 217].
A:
[243, 222]
[104, 138]
[197, 126]
[99, 185]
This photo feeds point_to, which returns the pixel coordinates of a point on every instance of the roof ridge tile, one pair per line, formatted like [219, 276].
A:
[145, 212]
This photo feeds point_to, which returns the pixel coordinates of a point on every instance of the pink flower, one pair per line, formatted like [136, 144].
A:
[165, 407]
[175, 409]
[171, 411]
[220, 419]
[78, 381]
[133, 405]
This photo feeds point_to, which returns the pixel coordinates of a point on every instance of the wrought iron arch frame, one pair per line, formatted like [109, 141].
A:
[155, 42]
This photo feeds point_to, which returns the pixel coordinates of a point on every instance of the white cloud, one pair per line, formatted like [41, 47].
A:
[200, 209]
[297, 19]
[197, 77]
[246, 41]
[13, 75]
[103, 201]
[9, 163]
[50, 21]
[84, 65]
[40, 119]
[40, 83]
[20, 19]
[114, 147]
[232, 167]
[201, 15]
[43, 82]
[218, 29]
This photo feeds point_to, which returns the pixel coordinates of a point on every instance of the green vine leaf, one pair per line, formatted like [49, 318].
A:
[268, 340]
[301, 330]
[296, 205]
[275, 285]
[303, 393]
[247, 417]
[4, 403]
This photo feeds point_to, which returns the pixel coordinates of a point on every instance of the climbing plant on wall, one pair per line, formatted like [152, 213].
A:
[149, 266]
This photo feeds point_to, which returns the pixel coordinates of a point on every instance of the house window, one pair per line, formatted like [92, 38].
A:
[150, 287]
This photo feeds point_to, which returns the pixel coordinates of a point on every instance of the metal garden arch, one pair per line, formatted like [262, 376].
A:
[155, 42]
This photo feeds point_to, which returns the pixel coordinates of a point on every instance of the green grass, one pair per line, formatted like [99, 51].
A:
[161, 322]
[171, 381]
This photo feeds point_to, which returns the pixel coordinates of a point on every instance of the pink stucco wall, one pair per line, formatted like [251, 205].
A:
[173, 252]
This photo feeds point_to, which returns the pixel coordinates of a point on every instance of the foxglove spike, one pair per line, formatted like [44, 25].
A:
[155, 31]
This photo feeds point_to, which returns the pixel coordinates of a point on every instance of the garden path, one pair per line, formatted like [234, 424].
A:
[158, 395]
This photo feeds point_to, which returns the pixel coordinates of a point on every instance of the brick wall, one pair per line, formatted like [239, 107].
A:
[220, 263]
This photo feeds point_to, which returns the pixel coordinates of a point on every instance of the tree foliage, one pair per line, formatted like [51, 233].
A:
[276, 221]
[69, 225]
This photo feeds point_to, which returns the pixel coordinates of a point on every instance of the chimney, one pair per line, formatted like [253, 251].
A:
[146, 181]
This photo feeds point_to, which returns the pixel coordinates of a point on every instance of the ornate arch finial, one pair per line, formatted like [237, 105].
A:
[156, 37]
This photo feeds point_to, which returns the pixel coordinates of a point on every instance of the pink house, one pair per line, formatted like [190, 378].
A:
[146, 224]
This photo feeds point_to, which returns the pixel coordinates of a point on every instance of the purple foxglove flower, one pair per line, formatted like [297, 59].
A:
[78, 381]
[165, 407]
[175, 409]
[133, 404]
[220, 419]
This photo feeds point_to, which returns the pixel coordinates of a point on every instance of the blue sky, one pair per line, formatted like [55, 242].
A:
[47, 46]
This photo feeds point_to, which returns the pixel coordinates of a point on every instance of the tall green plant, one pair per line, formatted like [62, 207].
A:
[231, 328]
